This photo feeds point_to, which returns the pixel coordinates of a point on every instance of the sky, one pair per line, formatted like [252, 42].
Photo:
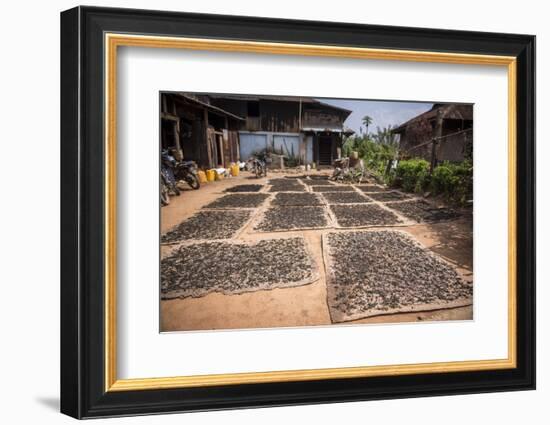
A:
[383, 113]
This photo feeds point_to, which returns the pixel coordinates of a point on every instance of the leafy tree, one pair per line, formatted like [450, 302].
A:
[367, 121]
[385, 136]
[374, 155]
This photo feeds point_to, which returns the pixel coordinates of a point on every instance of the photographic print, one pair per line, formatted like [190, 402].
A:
[283, 211]
[300, 193]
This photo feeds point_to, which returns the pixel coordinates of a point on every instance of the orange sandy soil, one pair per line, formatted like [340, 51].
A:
[304, 305]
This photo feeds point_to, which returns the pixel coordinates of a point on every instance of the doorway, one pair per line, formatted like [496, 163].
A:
[219, 156]
[325, 150]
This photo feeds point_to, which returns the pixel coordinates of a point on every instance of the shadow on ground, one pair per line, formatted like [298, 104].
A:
[455, 241]
[49, 402]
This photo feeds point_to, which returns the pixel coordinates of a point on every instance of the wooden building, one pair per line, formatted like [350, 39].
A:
[193, 129]
[450, 126]
[303, 129]
[216, 130]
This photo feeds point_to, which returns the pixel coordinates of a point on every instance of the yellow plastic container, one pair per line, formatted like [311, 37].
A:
[235, 170]
[202, 176]
[219, 176]
[210, 175]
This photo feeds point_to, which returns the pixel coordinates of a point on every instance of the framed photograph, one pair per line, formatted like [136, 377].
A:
[261, 212]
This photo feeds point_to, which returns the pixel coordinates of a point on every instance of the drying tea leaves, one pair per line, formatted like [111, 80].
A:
[245, 188]
[252, 200]
[277, 219]
[208, 225]
[345, 198]
[421, 210]
[296, 199]
[316, 182]
[333, 188]
[369, 188]
[286, 185]
[232, 268]
[390, 195]
[382, 272]
[363, 215]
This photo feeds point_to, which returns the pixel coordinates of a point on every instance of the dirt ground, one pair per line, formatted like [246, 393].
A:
[303, 305]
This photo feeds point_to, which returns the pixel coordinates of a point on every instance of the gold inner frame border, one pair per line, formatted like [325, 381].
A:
[111, 43]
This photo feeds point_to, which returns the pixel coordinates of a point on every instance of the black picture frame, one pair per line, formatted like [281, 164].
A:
[83, 392]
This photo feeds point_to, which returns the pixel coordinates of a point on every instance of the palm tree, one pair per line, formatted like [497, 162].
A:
[367, 121]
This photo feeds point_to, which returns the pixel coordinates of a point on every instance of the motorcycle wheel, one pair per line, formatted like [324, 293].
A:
[164, 198]
[193, 181]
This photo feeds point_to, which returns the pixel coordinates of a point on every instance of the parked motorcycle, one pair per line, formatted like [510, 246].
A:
[258, 165]
[167, 167]
[164, 191]
[187, 171]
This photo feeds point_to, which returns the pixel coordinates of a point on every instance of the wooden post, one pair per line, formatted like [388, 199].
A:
[433, 158]
[315, 148]
[300, 115]
[227, 154]
[437, 139]
[206, 139]
[179, 151]
[164, 104]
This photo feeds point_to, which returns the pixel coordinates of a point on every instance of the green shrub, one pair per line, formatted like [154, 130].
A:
[423, 181]
[412, 175]
[454, 181]
[444, 179]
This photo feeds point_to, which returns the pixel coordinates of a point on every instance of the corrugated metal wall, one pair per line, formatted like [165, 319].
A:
[250, 143]
[287, 145]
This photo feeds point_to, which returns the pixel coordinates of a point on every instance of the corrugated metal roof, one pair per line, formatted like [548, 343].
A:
[208, 106]
[328, 130]
[254, 97]
[348, 111]
[306, 100]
